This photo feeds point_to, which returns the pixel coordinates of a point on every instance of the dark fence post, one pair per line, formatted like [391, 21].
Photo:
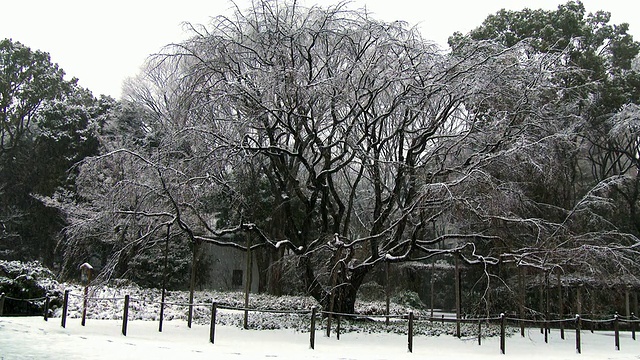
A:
[164, 276]
[546, 331]
[502, 334]
[522, 299]
[338, 327]
[65, 306]
[312, 330]
[479, 332]
[212, 329]
[46, 308]
[633, 326]
[125, 315]
[2, 296]
[161, 314]
[84, 306]
[410, 335]
[578, 345]
[616, 329]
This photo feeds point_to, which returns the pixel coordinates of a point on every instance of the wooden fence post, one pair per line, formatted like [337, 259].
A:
[479, 332]
[46, 308]
[458, 293]
[560, 305]
[338, 327]
[125, 315]
[521, 304]
[578, 345]
[633, 326]
[2, 296]
[387, 294]
[616, 329]
[410, 332]
[248, 281]
[312, 330]
[546, 307]
[502, 334]
[627, 301]
[65, 306]
[212, 329]
[164, 276]
[161, 314]
[85, 299]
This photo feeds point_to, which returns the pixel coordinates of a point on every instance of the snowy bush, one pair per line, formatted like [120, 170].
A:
[106, 302]
[30, 281]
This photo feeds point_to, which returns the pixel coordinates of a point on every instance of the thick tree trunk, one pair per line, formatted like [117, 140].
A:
[263, 262]
[275, 273]
[346, 292]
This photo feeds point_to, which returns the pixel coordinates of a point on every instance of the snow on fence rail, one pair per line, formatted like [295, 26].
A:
[545, 324]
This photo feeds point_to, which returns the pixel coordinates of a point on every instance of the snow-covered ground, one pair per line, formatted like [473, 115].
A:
[33, 338]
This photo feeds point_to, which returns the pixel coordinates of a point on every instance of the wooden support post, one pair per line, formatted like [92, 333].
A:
[633, 326]
[2, 297]
[338, 327]
[410, 332]
[616, 330]
[247, 285]
[502, 334]
[546, 307]
[164, 277]
[312, 330]
[479, 332]
[522, 298]
[192, 283]
[161, 316]
[85, 298]
[125, 315]
[212, 328]
[65, 306]
[46, 308]
[593, 310]
[578, 344]
[432, 295]
[541, 304]
[579, 298]
[560, 305]
[388, 292]
[457, 291]
[334, 282]
[86, 271]
[627, 302]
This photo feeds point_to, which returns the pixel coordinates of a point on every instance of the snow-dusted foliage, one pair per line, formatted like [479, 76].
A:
[106, 302]
[331, 145]
[267, 312]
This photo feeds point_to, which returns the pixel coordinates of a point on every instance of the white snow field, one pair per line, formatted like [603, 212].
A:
[34, 338]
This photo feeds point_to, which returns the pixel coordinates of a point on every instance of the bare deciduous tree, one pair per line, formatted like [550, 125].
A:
[362, 136]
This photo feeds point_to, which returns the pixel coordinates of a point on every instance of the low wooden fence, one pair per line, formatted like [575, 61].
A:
[577, 323]
[40, 302]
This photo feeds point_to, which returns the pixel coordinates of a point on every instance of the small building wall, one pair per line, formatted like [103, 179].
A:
[227, 269]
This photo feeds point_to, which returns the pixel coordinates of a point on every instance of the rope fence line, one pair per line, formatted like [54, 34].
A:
[315, 313]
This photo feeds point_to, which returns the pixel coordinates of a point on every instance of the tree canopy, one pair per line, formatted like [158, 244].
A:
[332, 143]
[47, 126]
[342, 142]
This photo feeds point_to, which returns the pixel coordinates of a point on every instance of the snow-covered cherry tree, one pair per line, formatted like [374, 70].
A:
[339, 141]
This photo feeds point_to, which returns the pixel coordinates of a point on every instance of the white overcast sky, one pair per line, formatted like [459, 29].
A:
[104, 42]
